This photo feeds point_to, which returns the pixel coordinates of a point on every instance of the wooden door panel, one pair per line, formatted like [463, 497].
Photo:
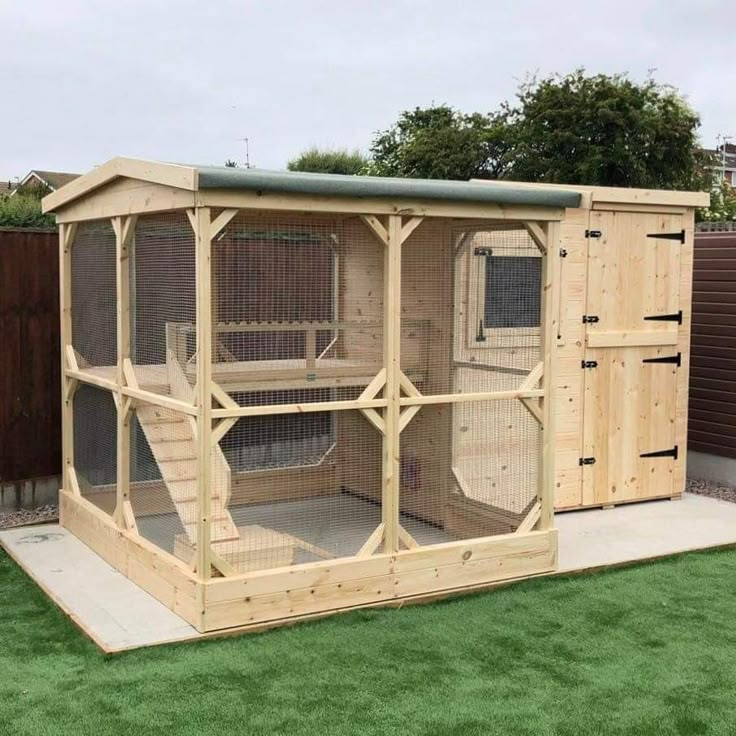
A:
[633, 276]
[630, 409]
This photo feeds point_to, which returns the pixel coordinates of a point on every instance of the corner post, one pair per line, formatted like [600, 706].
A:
[67, 233]
[124, 228]
[203, 394]
[548, 320]
[392, 358]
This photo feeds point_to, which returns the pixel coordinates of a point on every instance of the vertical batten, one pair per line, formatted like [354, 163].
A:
[124, 228]
[66, 236]
[549, 323]
[203, 394]
[392, 358]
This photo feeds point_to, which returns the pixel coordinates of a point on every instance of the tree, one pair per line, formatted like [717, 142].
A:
[333, 161]
[605, 130]
[441, 143]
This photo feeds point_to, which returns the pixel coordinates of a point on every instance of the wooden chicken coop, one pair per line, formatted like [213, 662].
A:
[290, 394]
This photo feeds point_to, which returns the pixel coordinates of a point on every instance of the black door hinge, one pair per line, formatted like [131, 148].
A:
[668, 236]
[676, 317]
[674, 359]
[586, 461]
[593, 234]
[661, 453]
[590, 319]
[563, 253]
[483, 252]
[590, 363]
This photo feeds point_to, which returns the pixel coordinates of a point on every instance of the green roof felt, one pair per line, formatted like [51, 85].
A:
[337, 185]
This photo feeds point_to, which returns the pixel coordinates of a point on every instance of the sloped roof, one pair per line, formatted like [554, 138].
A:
[195, 178]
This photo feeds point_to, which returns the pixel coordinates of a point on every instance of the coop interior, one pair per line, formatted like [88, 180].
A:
[298, 311]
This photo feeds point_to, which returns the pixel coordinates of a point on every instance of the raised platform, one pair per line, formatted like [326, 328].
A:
[118, 615]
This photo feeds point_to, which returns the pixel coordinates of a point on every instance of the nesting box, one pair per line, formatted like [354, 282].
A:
[289, 394]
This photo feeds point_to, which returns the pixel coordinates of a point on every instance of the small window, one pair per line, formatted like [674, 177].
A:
[513, 291]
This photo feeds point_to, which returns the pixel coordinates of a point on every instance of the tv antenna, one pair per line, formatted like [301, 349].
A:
[247, 151]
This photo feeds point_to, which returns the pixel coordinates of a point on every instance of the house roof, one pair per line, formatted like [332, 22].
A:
[730, 158]
[195, 178]
[54, 179]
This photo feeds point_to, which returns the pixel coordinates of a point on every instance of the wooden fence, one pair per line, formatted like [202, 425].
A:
[712, 416]
[30, 410]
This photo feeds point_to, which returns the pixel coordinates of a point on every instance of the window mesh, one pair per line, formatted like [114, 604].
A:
[296, 491]
[470, 468]
[93, 297]
[95, 445]
[297, 309]
[163, 304]
[451, 309]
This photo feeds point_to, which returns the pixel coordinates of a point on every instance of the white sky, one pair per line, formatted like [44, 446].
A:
[86, 80]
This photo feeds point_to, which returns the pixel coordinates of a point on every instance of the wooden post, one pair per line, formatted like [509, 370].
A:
[67, 234]
[203, 393]
[392, 358]
[548, 343]
[124, 228]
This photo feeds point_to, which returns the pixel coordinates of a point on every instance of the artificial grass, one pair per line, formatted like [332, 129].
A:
[643, 650]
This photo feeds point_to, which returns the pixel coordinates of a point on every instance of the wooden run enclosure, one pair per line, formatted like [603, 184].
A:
[289, 394]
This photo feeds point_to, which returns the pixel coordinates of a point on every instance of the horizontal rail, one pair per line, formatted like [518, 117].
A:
[481, 396]
[290, 326]
[256, 411]
[134, 393]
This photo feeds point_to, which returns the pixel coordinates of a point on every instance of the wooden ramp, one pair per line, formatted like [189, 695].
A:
[173, 444]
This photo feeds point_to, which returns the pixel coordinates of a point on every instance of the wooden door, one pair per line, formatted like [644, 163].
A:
[631, 360]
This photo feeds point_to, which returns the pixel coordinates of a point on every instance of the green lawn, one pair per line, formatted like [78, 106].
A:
[644, 650]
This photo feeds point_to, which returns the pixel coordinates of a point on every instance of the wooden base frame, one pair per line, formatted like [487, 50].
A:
[288, 594]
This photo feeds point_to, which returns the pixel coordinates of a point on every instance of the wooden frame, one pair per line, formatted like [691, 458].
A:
[209, 592]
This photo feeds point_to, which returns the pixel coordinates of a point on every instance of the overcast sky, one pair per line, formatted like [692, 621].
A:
[86, 80]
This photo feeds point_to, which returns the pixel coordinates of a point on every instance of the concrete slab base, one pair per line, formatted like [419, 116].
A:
[118, 615]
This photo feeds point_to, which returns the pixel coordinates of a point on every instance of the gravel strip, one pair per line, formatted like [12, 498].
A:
[711, 489]
[26, 517]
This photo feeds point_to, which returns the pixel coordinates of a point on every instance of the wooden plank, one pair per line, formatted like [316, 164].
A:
[204, 390]
[158, 573]
[376, 227]
[67, 233]
[392, 357]
[173, 175]
[532, 393]
[625, 338]
[315, 406]
[548, 320]
[373, 542]
[538, 235]
[277, 201]
[335, 585]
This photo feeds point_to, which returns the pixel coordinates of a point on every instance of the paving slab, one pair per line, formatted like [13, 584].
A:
[114, 612]
[118, 615]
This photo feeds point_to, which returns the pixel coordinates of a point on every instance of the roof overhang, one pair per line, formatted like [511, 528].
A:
[594, 195]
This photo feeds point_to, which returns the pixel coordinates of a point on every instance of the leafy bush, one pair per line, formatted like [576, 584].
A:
[24, 210]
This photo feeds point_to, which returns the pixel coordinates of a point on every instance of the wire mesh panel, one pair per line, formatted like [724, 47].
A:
[95, 441]
[297, 309]
[163, 304]
[287, 491]
[469, 469]
[474, 297]
[163, 475]
[93, 297]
